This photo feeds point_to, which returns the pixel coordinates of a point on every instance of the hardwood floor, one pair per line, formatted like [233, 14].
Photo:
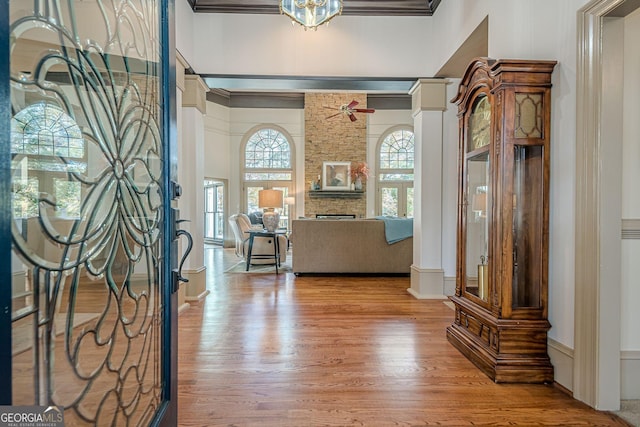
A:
[267, 350]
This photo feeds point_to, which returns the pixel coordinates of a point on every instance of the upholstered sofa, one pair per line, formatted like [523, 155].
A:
[356, 246]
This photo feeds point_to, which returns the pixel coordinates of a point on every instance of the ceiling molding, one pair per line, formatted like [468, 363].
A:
[350, 7]
[382, 101]
[295, 100]
[250, 83]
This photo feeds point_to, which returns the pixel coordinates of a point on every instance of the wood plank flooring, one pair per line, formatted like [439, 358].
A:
[267, 350]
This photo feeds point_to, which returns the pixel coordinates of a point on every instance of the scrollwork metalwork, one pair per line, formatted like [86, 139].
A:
[102, 71]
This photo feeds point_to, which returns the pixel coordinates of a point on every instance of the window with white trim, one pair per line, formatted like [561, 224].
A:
[267, 164]
[395, 174]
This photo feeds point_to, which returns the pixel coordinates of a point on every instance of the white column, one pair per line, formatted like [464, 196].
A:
[428, 104]
[191, 178]
[181, 64]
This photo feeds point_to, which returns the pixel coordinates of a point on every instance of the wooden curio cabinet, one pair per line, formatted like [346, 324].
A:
[503, 219]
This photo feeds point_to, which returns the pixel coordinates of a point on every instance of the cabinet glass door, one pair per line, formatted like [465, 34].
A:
[527, 225]
[477, 225]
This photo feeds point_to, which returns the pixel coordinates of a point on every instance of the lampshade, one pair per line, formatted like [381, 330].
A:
[479, 203]
[270, 198]
[311, 13]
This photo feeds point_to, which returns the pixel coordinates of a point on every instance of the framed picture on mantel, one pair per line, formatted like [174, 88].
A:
[336, 176]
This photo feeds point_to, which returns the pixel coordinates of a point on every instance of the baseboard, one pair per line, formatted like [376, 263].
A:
[19, 284]
[196, 288]
[562, 360]
[427, 283]
[630, 375]
[449, 286]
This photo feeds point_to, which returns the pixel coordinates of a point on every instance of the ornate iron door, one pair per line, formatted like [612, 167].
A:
[90, 93]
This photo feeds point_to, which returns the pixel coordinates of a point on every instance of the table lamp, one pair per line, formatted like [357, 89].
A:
[269, 200]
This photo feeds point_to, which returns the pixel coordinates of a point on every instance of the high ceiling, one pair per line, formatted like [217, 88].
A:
[350, 7]
[284, 92]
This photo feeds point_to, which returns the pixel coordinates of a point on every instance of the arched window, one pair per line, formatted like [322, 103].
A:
[44, 129]
[267, 149]
[395, 174]
[46, 144]
[267, 164]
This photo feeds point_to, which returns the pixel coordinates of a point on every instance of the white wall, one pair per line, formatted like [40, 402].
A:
[630, 338]
[184, 37]
[270, 45]
[240, 122]
[217, 149]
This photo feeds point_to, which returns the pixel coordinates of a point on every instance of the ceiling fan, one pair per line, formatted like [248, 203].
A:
[349, 110]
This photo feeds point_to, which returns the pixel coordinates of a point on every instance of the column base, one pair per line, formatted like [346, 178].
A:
[196, 288]
[427, 283]
[182, 305]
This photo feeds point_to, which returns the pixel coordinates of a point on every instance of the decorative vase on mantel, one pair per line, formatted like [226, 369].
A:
[358, 184]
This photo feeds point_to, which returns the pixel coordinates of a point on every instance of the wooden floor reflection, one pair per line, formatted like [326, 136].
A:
[280, 350]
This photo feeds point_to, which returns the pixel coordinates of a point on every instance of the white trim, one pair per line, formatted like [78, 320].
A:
[449, 286]
[427, 283]
[596, 360]
[630, 373]
[630, 355]
[195, 270]
[631, 228]
[562, 360]
[196, 288]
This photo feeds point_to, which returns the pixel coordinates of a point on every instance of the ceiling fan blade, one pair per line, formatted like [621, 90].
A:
[333, 115]
[364, 110]
[352, 117]
[330, 108]
[352, 104]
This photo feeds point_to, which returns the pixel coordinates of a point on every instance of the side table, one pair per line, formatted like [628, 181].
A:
[276, 247]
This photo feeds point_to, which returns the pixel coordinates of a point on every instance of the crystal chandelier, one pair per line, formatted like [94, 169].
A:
[311, 13]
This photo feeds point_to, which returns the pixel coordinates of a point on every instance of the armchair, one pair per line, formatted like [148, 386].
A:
[240, 225]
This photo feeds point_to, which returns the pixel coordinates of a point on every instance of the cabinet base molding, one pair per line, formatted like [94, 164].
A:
[506, 350]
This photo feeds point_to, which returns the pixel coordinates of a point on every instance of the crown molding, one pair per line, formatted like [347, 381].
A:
[351, 7]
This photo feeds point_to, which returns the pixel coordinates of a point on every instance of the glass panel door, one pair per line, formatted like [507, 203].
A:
[390, 201]
[396, 199]
[91, 298]
[214, 211]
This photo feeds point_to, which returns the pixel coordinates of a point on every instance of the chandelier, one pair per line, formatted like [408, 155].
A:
[311, 13]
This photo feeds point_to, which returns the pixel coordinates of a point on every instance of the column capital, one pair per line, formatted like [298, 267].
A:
[195, 93]
[181, 65]
[429, 95]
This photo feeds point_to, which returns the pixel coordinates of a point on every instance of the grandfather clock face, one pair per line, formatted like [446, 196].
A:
[479, 124]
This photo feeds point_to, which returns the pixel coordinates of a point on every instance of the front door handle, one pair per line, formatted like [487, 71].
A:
[176, 233]
[186, 253]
